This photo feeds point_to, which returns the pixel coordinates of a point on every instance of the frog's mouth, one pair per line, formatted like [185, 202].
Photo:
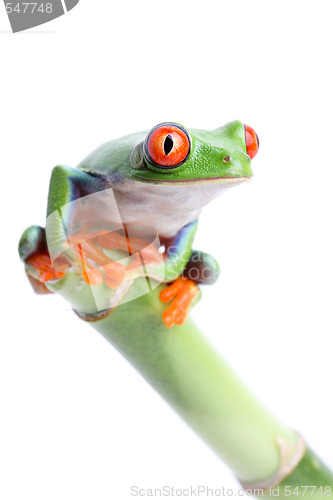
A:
[192, 182]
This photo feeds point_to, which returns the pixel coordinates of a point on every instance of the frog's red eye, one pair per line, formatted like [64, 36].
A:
[167, 145]
[252, 141]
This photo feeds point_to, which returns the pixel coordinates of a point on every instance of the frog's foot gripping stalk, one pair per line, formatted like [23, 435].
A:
[38, 266]
[183, 293]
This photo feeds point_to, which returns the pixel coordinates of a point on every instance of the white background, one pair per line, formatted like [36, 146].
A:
[77, 421]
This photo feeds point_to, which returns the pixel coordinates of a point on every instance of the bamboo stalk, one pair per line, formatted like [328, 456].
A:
[186, 370]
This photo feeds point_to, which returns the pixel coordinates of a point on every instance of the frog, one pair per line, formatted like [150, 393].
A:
[159, 179]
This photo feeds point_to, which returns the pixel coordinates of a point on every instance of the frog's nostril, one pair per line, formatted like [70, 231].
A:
[168, 144]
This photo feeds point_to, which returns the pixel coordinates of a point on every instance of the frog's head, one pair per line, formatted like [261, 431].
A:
[171, 153]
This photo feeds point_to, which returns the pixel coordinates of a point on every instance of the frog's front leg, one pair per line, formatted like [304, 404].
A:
[33, 251]
[187, 268]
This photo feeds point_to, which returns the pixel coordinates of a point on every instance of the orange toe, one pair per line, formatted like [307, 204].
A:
[181, 292]
[172, 290]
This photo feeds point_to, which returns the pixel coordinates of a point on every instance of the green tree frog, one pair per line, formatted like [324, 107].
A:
[160, 180]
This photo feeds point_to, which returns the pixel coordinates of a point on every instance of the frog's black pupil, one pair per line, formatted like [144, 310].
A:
[168, 144]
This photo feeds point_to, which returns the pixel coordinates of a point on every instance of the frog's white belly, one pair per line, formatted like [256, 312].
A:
[165, 208]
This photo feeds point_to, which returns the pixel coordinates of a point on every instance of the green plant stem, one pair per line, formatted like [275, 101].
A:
[191, 376]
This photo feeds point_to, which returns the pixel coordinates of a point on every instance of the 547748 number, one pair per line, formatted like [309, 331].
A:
[28, 7]
[307, 490]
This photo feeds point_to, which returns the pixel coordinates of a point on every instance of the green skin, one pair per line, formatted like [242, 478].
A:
[178, 362]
